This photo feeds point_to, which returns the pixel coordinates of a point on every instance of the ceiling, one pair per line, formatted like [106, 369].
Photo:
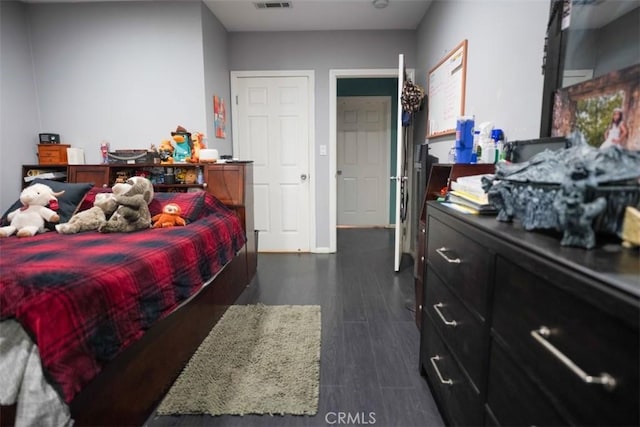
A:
[308, 15]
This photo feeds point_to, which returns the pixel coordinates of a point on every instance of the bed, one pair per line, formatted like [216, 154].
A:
[114, 317]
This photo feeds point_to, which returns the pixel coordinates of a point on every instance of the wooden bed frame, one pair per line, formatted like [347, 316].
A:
[128, 389]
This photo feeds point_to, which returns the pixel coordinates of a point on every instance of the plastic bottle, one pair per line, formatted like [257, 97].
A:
[476, 140]
[200, 175]
[488, 151]
[499, 151]
[498, 137]
[452, 155]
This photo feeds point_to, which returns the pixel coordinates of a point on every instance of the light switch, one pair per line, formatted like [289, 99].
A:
[323, 150]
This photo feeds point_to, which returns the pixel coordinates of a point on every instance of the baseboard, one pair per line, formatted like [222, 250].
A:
[322, 250]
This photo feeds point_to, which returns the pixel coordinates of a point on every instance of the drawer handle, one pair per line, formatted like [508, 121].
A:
[442, 251]
[606, 380]
[435, 367]
[437, 308]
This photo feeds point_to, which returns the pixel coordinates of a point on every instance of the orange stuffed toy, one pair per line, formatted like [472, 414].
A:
[169, 217]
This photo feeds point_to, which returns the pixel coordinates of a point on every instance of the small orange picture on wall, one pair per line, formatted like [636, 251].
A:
[219, 117]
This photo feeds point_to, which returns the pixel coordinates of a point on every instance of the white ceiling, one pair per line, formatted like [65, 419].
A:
[308, 15]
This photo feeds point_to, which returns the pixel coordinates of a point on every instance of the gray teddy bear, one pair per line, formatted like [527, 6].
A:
[90, 219]
[132, 213]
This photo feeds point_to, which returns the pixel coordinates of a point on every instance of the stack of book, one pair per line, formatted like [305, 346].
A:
[467, 195]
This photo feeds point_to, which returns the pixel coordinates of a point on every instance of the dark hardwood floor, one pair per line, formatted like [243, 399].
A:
[370, 343]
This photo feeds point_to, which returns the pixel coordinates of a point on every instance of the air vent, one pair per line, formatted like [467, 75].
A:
[273, 5]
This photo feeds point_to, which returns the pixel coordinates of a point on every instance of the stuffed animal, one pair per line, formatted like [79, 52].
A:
[132, 213]
[190, 176]
[182, 138]
[197, 142]
[93, 218]
[29, 219]
[169, 217]
[165, 151]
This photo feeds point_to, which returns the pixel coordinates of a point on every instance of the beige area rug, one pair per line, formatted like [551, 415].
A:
[258, 359]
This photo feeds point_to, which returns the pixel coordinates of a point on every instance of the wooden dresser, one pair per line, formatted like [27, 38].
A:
[517, 330]
[440, 176]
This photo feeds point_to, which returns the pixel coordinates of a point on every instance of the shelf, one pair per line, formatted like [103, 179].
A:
[163, 186]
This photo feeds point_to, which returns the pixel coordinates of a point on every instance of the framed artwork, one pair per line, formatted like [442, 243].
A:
[605, 109]
[219, 117]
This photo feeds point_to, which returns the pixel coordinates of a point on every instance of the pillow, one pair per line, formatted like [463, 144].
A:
[191, 204]
[213, 204]
[67, 203]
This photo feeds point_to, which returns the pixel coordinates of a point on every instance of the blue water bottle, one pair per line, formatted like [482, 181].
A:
[464, 139]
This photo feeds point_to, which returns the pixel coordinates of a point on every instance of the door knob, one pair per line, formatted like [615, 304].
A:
[303, 177]
[339, 172]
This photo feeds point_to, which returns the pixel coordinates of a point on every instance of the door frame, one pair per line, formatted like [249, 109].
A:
[334, 75]
[386, 101]
[310, 75]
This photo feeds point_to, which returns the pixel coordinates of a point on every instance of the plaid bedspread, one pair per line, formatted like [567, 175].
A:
[85, 297]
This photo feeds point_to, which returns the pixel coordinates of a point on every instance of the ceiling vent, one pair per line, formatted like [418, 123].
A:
[273, 5]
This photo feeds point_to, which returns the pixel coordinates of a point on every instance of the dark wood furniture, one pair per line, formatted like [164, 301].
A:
[517, 330]
[440, 176]
[129, 388]
[52, 154]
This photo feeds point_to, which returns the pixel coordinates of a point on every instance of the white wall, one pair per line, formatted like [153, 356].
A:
[124, 72]
[321, 52]
[505, 50]
[216, 75]
[18, 107]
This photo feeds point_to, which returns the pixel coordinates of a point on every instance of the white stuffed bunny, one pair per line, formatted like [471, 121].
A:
[29, 219]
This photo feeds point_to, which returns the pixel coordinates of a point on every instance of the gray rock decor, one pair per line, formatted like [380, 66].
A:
[581, 191]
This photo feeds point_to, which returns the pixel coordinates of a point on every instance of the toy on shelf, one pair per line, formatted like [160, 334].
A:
[190, 176]
[104, 151]
[197, 142]
[121, 177]
[165, 151]
[182, 138]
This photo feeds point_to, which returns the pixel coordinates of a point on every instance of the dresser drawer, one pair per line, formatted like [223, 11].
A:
[457, 398]
[462, 331]
[559, 337]
[514, 399]
[50, 154]
[463, 264]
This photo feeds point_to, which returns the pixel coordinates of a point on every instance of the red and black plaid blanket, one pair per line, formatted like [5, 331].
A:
[85, 297]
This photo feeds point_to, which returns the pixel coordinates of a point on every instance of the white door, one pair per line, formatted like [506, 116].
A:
[273, 131]
[400, 179]
[363, 160]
